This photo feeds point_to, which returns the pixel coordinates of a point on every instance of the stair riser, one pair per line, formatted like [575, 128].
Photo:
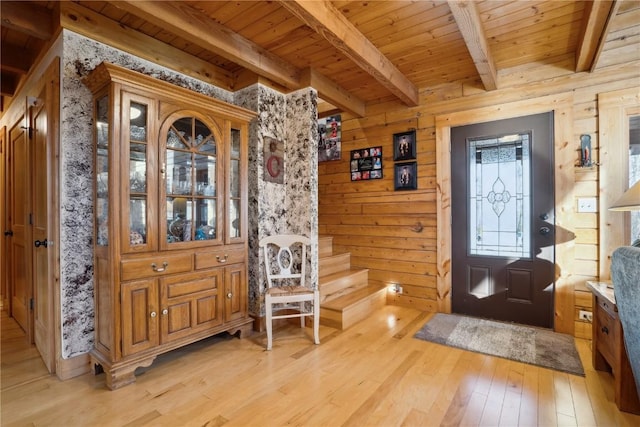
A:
[325, 247]
[354, 313]
[334, 264]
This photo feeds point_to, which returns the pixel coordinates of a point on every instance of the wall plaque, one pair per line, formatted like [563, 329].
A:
[273, 160]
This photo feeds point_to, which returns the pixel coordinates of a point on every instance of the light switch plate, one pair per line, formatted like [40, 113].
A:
[587, 204]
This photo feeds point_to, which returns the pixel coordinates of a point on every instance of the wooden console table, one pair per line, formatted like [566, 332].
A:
[609, 352]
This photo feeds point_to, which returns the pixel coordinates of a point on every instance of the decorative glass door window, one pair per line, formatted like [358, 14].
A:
[500, 196]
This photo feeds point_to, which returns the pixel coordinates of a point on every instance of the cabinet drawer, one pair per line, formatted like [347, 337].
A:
[605, 305]
[157, 265]
[219, 258]
[606, 334]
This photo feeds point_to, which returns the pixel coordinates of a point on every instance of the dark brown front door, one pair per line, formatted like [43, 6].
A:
[503, 216]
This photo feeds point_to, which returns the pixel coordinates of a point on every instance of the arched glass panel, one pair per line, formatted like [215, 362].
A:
[191, 170]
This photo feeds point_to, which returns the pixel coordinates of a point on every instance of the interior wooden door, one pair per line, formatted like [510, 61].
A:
[503, 220]
[20, 232]
[42, 282]
[4, 219]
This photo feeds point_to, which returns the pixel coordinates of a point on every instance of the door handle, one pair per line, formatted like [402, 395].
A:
[8, 233]
[39, 243]
[544, 230]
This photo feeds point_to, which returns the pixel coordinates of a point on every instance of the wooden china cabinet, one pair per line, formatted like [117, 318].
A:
[170, 235]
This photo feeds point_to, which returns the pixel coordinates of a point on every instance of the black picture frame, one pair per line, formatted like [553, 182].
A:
[366, 164]
[405, 176]
[404, 145]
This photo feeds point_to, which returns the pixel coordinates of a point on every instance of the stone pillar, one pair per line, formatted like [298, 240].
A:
[292, 206]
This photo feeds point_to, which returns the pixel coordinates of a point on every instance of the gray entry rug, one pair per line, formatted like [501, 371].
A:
[528, 344]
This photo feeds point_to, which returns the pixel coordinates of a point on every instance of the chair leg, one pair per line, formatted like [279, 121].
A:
[269, 312]
[316, 320]
[301, 316]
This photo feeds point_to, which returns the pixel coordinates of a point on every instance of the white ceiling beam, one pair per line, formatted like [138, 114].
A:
[470, 25]
[327, 21]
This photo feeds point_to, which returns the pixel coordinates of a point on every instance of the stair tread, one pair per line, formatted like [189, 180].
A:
[341, 274]
[352, 298]
[334, 256]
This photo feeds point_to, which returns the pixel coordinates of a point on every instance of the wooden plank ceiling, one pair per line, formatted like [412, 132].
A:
[352, 52]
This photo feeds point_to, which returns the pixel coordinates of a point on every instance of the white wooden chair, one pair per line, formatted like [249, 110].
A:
[286, 282]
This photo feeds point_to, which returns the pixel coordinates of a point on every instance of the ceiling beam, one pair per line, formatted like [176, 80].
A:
[28, 18]
[332, 92]
[191, 24]
[595, 27]
[470, 25]
[8, 84]
[15, 59]
[327, 21]
[90, 24]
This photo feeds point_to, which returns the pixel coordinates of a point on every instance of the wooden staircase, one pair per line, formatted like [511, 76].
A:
[346, 297]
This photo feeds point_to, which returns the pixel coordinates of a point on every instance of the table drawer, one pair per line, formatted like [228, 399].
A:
[219, 257]
[606, 334]
[157, 265]
[607, 306]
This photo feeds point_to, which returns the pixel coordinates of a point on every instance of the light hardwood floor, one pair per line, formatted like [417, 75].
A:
[373, 374]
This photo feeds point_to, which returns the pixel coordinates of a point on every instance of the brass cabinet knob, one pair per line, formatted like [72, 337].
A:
[165, 312]
[153, 314]
[229, 295]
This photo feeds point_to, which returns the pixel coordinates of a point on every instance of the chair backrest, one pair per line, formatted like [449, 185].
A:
[625, 275]
[292, 252]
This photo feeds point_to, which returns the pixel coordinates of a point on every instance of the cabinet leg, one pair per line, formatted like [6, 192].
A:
[242, 331]
[120, 376]
[116, 378]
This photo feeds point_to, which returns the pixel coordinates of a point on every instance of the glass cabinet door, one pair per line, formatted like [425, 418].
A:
[191, 181]
[102, 171]
[235, 186]
[135, 132]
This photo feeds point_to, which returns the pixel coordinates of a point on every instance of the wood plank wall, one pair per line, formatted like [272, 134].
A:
[393, 233]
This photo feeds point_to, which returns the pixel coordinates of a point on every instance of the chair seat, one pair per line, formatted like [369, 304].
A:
[288, 290]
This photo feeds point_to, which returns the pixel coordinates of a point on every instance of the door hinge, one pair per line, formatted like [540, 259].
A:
[30, 218]
[31, 304]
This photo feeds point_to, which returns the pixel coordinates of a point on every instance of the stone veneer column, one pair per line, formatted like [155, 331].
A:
[301, 177]
[291, 207]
